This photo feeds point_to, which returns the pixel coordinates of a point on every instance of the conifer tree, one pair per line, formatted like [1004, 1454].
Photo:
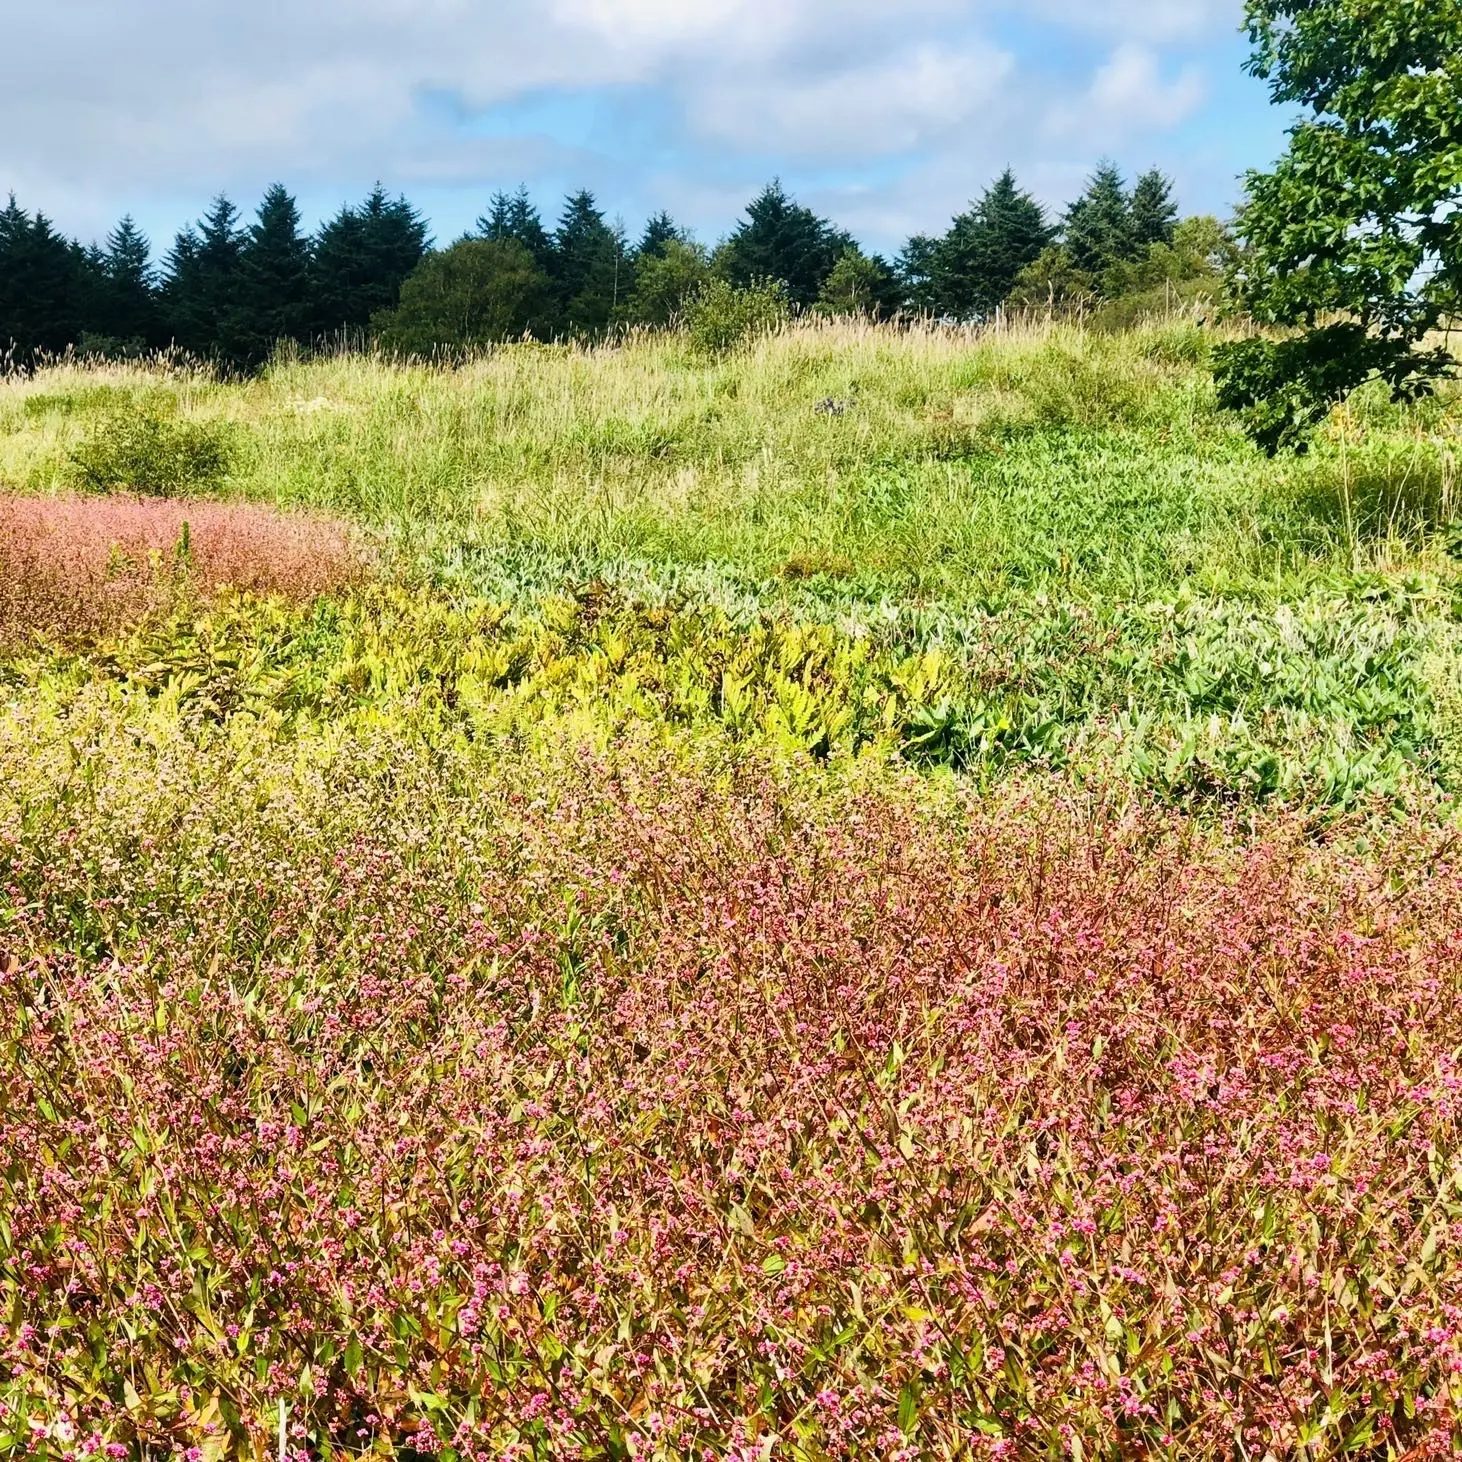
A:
[916, 265]
[512, 216]
[591, 280]
[977, 263]
[1098, 226]
[274, 282]
[126, 307]
[361, 258]
[40, 287]
[1154, 213]
[782, 241]
[203, 272]
[660, 232]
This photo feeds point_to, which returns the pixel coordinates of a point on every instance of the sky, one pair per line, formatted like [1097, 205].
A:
[886, 115]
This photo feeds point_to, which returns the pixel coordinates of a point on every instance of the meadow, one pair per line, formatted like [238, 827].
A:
[885, 894]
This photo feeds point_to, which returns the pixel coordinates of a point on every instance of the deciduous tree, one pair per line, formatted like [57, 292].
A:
[1355, 236]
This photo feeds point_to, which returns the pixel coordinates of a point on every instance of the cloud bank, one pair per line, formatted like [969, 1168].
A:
[896, 109]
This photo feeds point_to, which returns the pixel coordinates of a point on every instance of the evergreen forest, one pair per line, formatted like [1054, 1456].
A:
[231, 289]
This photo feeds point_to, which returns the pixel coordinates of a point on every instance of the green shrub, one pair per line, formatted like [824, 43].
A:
[145, 447]
[722, 317]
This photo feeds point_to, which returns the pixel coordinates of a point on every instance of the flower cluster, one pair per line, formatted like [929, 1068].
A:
[76, 568]
[600, 1109]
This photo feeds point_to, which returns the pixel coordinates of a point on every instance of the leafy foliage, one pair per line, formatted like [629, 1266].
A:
[668, 278]
[478, 292]
[148, 449]
[1362, 217]
[721, 316]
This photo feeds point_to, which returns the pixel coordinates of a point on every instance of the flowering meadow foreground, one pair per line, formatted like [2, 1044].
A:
[665, 1113]
[644, 985]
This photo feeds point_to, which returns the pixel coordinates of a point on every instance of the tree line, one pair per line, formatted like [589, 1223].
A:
[231, 291]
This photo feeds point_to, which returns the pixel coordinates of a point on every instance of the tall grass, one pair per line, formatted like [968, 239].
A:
[962, 463]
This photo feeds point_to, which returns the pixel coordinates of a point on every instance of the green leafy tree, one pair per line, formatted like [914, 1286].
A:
[860, 284]
[1355, 237]
[202, 282]
[274, 283]
[977, 263]
[42, 287]
[361, 258]
[782, 241]
[477, 292]
[667, 281]
[590, 271]
[1097, 230]
[1054, 285]
[723, 317]
[1187, 274]
[1154, 211]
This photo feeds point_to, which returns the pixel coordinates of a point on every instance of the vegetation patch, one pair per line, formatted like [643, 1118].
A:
[73, 570]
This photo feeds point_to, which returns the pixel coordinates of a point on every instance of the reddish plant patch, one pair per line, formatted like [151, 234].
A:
[76, 568]
[656, 1122]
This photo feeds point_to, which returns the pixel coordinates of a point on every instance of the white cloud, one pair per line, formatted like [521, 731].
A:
[886, 107]
[1130, 88]
[107, 105]
[1129, 97]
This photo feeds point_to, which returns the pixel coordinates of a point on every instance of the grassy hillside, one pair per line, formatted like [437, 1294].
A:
[1041, 548]
[886, 896]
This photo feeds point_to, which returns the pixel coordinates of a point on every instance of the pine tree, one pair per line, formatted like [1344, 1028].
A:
[40, 287]
[780, 240]
[1098, 226]
[977, 263]
[274, 283]
[1154, 213]
[512, 216]
[591, 279]
[203, 274]
[660, 232]
[126, 310]
[361, 258]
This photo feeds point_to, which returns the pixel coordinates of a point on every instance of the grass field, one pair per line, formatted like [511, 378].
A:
[888, 895]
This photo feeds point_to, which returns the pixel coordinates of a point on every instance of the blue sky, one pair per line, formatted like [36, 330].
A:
[886, 116]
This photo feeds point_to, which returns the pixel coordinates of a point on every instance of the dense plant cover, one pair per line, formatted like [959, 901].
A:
[74, 569]
[883, 893]
[654, 1112]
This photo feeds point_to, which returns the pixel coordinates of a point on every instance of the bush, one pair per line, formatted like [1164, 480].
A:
[146, 448]
[722, 317]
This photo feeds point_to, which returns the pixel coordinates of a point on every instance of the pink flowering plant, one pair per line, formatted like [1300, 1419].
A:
[552, 1107]
[74, 569]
